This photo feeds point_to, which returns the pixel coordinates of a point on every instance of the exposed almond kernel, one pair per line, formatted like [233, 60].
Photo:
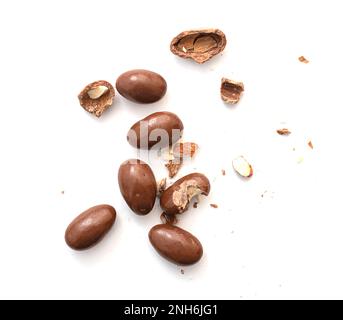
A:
[242, 167]
[283, 132]
[303, 59]
[310, 144]
[97, 92]
[176, 198]
[231, 90]
[97, 97]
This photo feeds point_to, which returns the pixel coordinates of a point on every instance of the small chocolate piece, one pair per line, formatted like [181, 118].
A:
[213, 205]
[199, 45]
[90, 226]
[169, 219]
[175, 244]
[173, 167]
[137, 185]
[184, 150]
[310, 144]
[141, 86]
[161, 186]
[303, 59]
[181, 151]
[176, 198]
[231, 90]
[97, 97]
[162, 128]
[283, 132]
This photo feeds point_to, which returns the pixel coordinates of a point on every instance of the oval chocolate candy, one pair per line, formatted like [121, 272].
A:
[137, 185]
[159, 128]
[142, 86]
[90, 227]
[175, 244]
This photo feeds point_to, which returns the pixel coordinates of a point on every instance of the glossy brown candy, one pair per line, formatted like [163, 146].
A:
[176, 198]
[162, 128]
[175, 244]
[142, 86]
[137, 185]
[90, 226]
[199, 45]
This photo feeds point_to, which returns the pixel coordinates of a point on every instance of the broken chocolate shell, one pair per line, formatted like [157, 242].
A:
[231, 90]
[199, 45]
[97, 97]
[176, 198]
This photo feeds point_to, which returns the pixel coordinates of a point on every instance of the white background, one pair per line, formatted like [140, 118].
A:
[286, 244]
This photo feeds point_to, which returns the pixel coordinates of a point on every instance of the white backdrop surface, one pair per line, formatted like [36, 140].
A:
[284, 244]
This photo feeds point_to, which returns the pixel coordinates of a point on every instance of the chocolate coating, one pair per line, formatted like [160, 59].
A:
[177, 197]
[164, 128]
[142, 86]
[90, 227]
[137, 185]
[175, 244]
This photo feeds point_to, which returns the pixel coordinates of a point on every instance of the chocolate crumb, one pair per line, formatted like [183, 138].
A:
[161, 186]
[62, 192]
[283, 132]
[168, 219]
[223, 172]
[310, 144]
[303, 59]
[213, 205]
[195, 205]
[173, 167]
[182, 271]
[185, 150]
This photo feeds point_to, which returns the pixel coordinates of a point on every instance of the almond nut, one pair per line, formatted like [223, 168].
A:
[97, 92]
[242, 167]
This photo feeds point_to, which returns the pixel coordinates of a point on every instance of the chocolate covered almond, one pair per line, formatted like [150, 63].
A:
[137, 185]
[90, 227]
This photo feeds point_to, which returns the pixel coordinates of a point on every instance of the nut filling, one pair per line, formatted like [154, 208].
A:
[97, 97]
[231, 90]
[200, 45]
[185, 193]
